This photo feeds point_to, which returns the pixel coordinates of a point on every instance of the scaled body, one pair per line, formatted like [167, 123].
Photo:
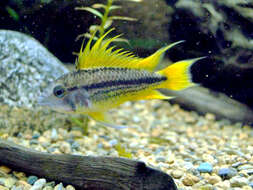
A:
[108, 87]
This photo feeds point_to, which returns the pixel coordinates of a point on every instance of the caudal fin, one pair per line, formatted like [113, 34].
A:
[178, 75]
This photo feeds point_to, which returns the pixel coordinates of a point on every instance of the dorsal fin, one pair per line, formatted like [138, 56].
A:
[151, 62]
[99, 55]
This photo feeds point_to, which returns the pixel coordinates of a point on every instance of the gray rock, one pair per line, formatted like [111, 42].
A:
[25, 67]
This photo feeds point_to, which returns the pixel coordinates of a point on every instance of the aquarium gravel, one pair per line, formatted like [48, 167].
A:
[199, 152]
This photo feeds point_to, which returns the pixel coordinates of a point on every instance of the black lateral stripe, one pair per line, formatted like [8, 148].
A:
[147, 80]
[72, 88]
[116, 94]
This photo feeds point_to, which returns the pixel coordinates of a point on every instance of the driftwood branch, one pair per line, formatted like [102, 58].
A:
[205, 101]
[85, 172]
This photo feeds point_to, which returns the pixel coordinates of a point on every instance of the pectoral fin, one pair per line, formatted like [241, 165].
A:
[105, 120]
[79, 97]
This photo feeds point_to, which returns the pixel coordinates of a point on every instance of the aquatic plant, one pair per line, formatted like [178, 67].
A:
[122, 152]
[13, 14]
[81, 122]
[106, 19]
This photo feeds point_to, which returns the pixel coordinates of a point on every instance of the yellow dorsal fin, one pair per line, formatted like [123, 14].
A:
[151, 62]
[99, 55]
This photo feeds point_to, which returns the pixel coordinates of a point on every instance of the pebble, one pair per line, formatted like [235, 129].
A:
[32, 179]
[190, 180]
[54, 135]
[9, 182]
[251, 184]
[65, 147]
[245, 167]
[227, 173]
[59, 187]
[3, 188]
[34, 142]
[205, 167]
[19, 175]
[247, 171]
[23, 184]
[177, 174]
[160, 159]
[238, 181]
[181, 147]
[214, 179]
[206, 187]
[223, 185]
[5, 169]
[246, 188]
[75, 145]
[39, 184]
[113, 142]
[236, 164]
[76, 134]
[70, 187]
[36, 136]
[188, 165]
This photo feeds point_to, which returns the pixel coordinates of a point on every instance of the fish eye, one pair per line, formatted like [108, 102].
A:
[59, 91]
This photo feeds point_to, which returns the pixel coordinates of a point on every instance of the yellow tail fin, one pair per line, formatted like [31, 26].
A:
[178, 75]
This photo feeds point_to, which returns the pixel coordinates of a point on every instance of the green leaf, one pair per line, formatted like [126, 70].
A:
[12, 13]
[91, 10]
[121, 40]
[85, 35]
[113, 7]
[46, 1]
[108, 23]
[93, 28]
[122, 18]
[98, 6]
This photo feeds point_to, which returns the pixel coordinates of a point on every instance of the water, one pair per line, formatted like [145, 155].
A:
[215, 117]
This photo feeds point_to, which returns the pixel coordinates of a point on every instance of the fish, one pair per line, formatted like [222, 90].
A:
[105, 77]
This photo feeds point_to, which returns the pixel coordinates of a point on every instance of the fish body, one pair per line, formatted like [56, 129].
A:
[105, 79]
[109, 87]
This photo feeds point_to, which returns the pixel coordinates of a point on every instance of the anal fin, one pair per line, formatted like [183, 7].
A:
[153, 94]
[105, 120]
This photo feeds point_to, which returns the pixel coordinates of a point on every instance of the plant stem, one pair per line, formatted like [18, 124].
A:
[105, 17]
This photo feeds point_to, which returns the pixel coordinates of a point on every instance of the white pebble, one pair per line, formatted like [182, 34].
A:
[39, 184]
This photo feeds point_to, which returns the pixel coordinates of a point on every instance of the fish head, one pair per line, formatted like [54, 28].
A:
[61, 98]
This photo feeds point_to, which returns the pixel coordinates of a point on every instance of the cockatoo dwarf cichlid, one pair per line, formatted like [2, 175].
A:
[106, 78]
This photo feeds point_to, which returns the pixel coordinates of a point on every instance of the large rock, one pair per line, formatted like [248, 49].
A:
[25, 67]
